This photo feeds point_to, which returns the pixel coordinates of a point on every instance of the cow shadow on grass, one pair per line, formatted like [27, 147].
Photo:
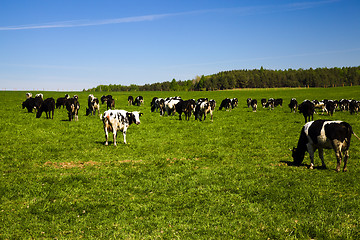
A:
[292, 164]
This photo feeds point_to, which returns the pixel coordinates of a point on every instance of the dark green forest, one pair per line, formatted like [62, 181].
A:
[256, 78]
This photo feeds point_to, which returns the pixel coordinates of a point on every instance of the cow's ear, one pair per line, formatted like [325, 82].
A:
[140, 114]
[128, 115]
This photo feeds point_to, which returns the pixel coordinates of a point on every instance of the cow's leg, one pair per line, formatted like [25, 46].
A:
[114, 136]
[311, 151]
[346, 157]
[336, 145]
[124, 134]
[321, 156]
[106, 136]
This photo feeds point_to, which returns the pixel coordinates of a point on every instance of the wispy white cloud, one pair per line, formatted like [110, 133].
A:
[240, 10]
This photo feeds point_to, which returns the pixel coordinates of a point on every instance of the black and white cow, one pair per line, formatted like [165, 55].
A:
[139, 100]
[234, 102]
[307, 108]
[253, 104]
[278, 102]
[330, 107]
[119, 120]
[263, 102]
[226, 103]
[153, 104]
[293, 105]
[104, 98]
[93, 105]
[202, 109]
[47, 106]
[61, 101]
[323, 134]
[353, 106]
[29, 104]
[39, 99]
[170, 105]
[185, 107]
[248, 102]
[72, 106]
[130, 100]
[270, 104]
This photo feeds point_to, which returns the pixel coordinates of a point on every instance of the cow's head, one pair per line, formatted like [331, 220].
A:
[134, 117]
[298, 156]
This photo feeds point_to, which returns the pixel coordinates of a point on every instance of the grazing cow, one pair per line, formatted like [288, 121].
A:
[170, 105]
[47, 106]
[185, 107]
[319, 105]
[323, 134]
[105, 98]
[38, 101]
[330, 107]
[212, 104]
[202, 109]
[73, 106]
[130, 100]
[153, 104]
[278, 102]
[263, 102]
[61, 101]
[160, 104]
[93, 105]
[253, 104]
[307, 108]
[270, 104]
[29, 104]
[248, 102]
[226, 103]
[293, 105]
[119, 120]
[353, 106]
[28, 95]
[139, 100]
[344, 104]
[234, 102]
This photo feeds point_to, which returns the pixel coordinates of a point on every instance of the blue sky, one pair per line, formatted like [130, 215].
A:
[72, 45]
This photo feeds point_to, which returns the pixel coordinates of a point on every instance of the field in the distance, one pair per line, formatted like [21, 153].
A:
[174, 179]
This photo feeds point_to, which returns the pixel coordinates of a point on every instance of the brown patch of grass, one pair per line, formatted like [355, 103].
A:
[71, 164]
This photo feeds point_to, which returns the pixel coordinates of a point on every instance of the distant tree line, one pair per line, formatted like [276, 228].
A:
[256, 78]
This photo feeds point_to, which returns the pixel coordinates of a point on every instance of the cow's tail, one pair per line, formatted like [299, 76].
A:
[356, 135]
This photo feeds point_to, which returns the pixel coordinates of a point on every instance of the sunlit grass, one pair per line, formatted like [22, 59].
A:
[175, 179]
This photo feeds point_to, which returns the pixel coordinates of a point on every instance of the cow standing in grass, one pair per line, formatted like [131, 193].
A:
[323, 134]
[119, 120]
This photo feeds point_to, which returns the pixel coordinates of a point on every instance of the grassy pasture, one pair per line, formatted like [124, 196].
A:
[174, 179]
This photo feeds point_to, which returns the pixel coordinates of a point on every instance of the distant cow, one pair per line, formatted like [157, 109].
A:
[28, 95]
[119, 120]
[185, 107]
[93, 105]
[353, 106]
[130, 100]
[248, 102]
[253, 104]
[170, 105]
[73, 106]
[226, 103]
[202, 109]
[307, 108]
[47, 106]
[104, 98]
[323, 134]
[139, 100]
[293, 105]
[234, 102]
[270, 104]
[29, 104]
[330, 107]
[61, 101]
[153, 104]
[278, 102]
[263, 102]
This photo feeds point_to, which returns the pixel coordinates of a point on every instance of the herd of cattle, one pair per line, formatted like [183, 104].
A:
[319, 134]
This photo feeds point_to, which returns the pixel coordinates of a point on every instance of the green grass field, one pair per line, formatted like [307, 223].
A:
[226, 179]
